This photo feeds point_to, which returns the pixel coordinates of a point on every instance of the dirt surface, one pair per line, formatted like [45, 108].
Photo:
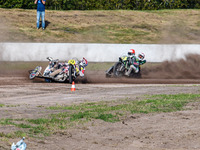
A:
[24, 98]
[160, 131]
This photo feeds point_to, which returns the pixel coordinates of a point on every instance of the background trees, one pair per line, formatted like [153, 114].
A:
[104, 4]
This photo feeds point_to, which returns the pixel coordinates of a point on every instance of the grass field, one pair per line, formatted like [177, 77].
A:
[119, 26]
[62, 117]
[6, 66]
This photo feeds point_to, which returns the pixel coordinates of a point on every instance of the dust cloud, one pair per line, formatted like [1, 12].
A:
[1, 52]
[188, 68]
[182, 71]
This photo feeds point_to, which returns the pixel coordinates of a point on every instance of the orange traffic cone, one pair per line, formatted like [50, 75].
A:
[73, 87]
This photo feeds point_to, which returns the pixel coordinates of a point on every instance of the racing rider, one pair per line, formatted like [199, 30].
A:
[130, 55]
[56, 67]
[82, 66]
[135, 63]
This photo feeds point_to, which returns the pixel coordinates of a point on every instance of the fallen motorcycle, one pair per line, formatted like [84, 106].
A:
[121, 67]
[68, 71]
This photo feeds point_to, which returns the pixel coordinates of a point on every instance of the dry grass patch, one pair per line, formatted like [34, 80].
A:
[118, 26]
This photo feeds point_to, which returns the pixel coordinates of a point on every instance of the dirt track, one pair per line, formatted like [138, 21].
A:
[163, 131]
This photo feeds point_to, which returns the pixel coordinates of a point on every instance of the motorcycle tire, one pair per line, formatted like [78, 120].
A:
[116, 70]
[34, 72]
[70, 74]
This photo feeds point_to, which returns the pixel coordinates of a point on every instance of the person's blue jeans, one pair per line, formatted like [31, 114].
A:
[42, 15]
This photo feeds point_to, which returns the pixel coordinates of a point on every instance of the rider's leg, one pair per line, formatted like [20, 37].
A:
[136, 68]
[55, 72]
[82, 71]
[132, 67]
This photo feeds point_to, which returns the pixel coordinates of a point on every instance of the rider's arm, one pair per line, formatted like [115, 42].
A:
[86, 62]
[142, 62]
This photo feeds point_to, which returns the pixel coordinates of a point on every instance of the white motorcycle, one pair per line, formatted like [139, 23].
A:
[69, 72]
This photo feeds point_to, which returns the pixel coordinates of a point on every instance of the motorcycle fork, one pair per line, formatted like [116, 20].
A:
[122, 67]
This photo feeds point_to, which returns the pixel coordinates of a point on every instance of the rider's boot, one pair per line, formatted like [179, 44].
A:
[136, 69]
[129, 71]
[132, 67]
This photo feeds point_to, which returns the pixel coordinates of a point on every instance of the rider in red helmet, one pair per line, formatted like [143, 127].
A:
[130, 55]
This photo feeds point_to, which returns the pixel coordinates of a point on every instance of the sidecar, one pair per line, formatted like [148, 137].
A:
[38, 74]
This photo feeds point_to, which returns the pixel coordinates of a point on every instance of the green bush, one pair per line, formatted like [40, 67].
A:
[104, 4]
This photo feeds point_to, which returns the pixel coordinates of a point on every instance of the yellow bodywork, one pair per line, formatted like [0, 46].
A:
[73, 62]
[124, 58]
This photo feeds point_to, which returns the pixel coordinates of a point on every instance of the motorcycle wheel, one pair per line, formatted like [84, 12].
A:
[70, 74]
[34, 72]
[117, 70]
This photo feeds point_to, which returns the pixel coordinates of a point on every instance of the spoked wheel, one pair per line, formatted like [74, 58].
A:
[34, 72]
[117, 71]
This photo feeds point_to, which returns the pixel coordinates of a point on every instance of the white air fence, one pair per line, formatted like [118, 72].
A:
[93, 52]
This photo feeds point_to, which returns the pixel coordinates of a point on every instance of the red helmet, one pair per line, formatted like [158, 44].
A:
[131, 52]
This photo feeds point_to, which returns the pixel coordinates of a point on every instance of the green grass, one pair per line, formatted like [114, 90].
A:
[6, 122]
[15, 134]
[109, 111]
[163, 103]
[95, 66]
[13, 65]
[198, 23]
[157, 103]
[26, 66]
[2, 105]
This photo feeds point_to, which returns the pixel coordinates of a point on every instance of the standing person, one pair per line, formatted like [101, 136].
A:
[40, 12]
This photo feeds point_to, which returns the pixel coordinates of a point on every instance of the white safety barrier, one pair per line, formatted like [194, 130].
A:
[93, 52]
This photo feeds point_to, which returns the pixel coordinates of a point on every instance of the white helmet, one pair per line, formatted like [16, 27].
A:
[141, 56]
